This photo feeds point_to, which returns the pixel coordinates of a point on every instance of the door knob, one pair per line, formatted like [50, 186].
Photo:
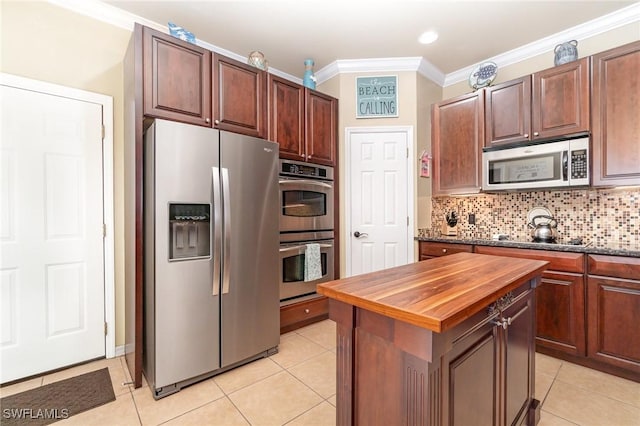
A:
[359, 234]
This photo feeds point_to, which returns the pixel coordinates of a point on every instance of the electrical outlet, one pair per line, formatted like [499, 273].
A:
[472, 219]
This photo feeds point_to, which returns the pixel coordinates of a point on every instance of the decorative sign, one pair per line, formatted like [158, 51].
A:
[377, 96]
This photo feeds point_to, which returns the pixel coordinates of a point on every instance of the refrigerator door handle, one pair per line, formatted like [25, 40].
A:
[217, 230]
[226, 200]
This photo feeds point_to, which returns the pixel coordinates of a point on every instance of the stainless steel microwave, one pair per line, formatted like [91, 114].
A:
[545, 165]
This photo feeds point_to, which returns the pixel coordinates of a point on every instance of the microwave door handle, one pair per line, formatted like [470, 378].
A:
[565, 165]
[217, 230]
[305, 182]
[226, 202]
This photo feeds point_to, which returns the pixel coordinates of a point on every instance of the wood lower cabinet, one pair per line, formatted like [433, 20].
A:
[613, 298]
[176, 78]
[430, 250]
[457, 137]
[561, 100]
[240, 97]
[560, 309]
[481, 372]
[303, 313]
[615, 112]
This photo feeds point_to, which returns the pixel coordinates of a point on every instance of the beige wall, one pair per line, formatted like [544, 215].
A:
[48, 43]
[587, 47]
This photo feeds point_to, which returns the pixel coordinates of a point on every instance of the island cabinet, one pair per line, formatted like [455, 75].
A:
[176, 78]
[239, 97]
[447, 341]
[613, 298]
[615, 112]
[303, 121]
[560, 308]
[457, 137]
[429, 250]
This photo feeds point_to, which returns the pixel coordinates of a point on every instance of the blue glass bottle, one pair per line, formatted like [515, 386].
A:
[309, 80]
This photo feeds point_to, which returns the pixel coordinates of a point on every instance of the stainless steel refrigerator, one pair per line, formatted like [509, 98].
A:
[211, 253]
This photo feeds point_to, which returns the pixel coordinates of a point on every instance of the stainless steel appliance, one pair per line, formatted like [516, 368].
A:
[538, 166]
[293, 287]
[306, 197]
[211, 260]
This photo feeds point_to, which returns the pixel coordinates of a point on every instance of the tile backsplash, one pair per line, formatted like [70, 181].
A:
[596, 215]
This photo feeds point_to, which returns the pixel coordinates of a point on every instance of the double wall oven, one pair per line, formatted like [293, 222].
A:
[306, 220]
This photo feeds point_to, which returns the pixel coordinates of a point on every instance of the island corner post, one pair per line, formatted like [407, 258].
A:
[446, 341]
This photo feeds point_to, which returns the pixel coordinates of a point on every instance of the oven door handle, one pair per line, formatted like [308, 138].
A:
[305, 182]
[301, 248]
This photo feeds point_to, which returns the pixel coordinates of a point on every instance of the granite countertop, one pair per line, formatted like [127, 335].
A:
[610, 248]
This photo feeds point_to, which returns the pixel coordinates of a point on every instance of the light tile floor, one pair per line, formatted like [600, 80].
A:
[296, 386]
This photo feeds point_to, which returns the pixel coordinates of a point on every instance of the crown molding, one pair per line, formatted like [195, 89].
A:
[584, 31]
[120, 18]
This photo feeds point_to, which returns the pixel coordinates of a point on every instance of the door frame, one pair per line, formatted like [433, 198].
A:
[349, 132]
[106, 102]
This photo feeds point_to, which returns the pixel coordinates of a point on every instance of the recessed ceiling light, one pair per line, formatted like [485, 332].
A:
[428, 37]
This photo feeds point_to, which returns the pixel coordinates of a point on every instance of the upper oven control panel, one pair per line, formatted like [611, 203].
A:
[305, 170]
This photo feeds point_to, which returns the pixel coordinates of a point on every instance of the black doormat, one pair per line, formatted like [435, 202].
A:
[57, 401]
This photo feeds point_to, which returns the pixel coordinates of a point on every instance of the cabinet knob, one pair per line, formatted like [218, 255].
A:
[306, 311]
[536, 134]
[216, 121]
[444, 250]
[309, 157]
[526, 135]
[207, 120]
[302, 155]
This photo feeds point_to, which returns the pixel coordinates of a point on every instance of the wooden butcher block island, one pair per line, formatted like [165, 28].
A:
[445, 341]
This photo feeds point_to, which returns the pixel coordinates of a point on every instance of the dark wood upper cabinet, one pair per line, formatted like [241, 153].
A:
[287, 117]
[304, 122]
[508, 112]
[457, 137]
[240, 97]
[321, 128]
[560, 100]
[615, 112]
[176, 79]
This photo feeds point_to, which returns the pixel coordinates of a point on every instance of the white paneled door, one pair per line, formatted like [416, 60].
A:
[51, 233]
[378, 197]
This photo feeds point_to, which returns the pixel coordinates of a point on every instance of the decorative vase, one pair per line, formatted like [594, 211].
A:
[566, 52]
[257, 60]
[309, 80]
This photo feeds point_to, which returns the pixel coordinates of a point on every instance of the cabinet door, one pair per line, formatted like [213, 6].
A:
[561, 100]
[457, 139]
[518, 353]
[613, 312]
[240, 97]
[615, 112]
[286, 117]
[321, 128]
[560, 312]
[508, 112]
[176, 79]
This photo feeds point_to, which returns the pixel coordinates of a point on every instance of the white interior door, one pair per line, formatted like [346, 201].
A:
[378, 197]
[51, 232]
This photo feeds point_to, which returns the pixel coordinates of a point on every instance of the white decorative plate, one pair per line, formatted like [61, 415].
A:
[483, 75]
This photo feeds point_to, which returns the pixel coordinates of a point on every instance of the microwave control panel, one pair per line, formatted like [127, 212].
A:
[579, 164]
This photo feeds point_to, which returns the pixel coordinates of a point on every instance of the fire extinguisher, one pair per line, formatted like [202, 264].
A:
[425, 162]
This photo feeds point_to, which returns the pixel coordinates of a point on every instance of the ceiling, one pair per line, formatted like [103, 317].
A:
[288, 32]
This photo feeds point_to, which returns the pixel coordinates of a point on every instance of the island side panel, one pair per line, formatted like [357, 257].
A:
[344, 316]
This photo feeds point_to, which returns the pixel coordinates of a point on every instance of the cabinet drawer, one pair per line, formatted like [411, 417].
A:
[558, 261]
[614, 266]
[303, 313]
[442, 249]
